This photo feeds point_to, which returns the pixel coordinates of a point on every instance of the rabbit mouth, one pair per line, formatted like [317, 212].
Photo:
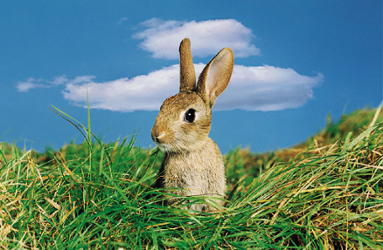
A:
[172, 147]
[164, 147]
[168, 147]
[165, 143]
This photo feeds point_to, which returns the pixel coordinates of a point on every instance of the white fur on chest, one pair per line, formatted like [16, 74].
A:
[198, 172]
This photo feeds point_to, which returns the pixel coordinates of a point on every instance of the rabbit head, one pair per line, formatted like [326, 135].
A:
[184, 120]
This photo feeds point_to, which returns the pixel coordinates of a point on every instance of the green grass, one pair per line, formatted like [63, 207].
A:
[326, 193]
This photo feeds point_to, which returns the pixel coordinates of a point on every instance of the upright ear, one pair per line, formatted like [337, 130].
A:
[187, 73]
[216, 76]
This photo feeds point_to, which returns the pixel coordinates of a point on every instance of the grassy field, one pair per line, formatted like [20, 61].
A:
[326, 193]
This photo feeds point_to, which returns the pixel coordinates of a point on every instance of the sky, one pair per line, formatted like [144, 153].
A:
[296, 62]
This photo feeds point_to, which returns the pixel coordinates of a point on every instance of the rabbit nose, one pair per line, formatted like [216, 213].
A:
[157, 138]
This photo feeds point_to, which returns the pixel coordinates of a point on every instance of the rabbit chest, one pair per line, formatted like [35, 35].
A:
[199, 172]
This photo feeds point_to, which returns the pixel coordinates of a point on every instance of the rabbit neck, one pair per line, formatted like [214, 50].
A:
[191, 151]
[208, 156]
[196, 172]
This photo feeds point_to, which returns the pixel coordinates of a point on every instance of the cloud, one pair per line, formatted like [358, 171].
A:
[32, 83]
[145, 92]
[263, 88]
[162, 38]
[122, 19]
[267, 88]
[59, 80]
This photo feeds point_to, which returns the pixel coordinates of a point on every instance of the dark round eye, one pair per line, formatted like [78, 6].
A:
[190, 115]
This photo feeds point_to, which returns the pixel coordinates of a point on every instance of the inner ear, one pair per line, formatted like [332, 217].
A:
[216, 76]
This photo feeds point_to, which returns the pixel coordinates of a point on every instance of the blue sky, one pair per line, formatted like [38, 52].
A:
[295, 63]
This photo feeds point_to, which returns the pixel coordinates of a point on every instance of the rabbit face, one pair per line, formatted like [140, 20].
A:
[184, 120]
[183, 123]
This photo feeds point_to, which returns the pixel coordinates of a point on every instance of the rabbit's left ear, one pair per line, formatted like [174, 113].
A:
[216, 76]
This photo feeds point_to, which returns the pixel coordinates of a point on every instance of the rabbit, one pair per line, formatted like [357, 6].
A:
[193, 164]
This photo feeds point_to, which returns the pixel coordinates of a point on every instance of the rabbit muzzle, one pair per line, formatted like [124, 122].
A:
[157, 136]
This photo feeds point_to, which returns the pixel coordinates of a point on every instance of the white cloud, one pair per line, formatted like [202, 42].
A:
[145, 92]
[59, 80]
[262, 88]
[122, 19]
[32, 83]
[29, 84]
[162, 38]
[267, 88]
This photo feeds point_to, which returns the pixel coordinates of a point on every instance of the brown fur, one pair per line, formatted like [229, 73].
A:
[187, 72]
[193, 164]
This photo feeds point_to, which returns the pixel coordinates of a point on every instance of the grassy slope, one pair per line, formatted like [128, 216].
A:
[334, 133]
[325, 193]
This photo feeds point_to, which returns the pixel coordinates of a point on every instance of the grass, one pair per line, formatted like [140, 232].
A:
[326, 193]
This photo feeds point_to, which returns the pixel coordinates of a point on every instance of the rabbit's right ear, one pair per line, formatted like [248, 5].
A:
[187, 72]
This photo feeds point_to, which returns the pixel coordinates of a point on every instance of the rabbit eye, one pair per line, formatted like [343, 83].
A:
[190, 115]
